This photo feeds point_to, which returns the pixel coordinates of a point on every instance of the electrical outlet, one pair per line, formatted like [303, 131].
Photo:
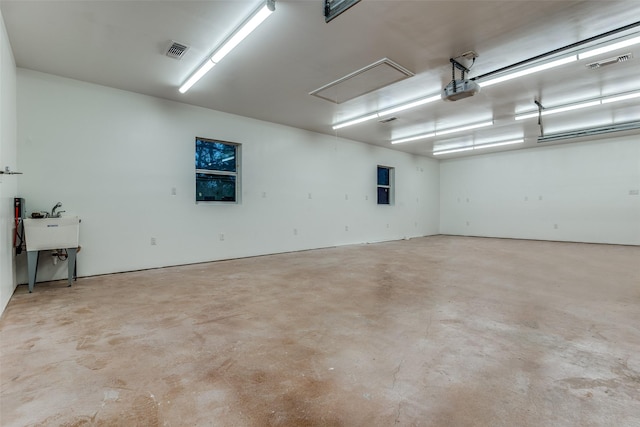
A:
[346, 197]
[346, 228]
[366, 197]
[221, 237]
[174, 191]
[634, 192]
[153, 241]
[264, 194]
[295, 231]
[309, 195]
[555, 226]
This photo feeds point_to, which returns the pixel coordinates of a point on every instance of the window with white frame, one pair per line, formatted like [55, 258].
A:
[217, 171]
[385, 185]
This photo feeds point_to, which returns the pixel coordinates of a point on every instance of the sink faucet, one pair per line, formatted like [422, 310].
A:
[53, 211]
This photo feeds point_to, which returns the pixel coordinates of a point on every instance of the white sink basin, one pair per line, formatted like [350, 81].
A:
[51, 233]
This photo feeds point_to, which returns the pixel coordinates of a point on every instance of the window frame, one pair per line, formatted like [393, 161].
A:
[390, 187]
[220, 173]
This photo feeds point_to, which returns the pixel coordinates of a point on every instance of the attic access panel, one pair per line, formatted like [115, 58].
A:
[333, 8]
[360, 82]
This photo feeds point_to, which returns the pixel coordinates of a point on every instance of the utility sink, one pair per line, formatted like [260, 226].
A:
[51, 233]
[43, 234]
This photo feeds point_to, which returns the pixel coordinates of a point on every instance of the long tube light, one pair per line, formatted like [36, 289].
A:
[454, 150]
[577, 106]
[478, 147]
[442, 132]
[204, 69]
[509, 75]
[254, 20]
[528, 71]
[387, 111]
[356, 121]
[609, 48]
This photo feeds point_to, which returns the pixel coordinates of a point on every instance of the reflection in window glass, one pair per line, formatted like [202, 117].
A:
[215, 188]
[385, 185]
[212, 155]
[383, 175]
[383, 196]
[217, 165]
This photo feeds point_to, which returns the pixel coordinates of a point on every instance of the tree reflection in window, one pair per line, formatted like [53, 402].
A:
[216, 170]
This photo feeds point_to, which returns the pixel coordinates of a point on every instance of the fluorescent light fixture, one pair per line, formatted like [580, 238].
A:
[414, 138]
[499, 144]
[616, 98]
[591, 132]
[455, 150]
[557, 110]
[259, 16]
[387, 111]
[528, 71]
[409, 105]
[442, 132]
[609, 48]
[478, 147]
[355, 121]
[463, 128]
[580, 105]
[256, 18]
[204, 69]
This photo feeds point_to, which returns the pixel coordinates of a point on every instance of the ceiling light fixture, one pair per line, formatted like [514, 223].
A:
[204, 69]
[554, 58]
[527, 71]
[626, 127]
[387, 111]
[478, 147]
[455, 150]
[579, 105]
[356, 121]
[576, 51]
[443, 132]
[250, 24]
[499, 144]
[609, 48]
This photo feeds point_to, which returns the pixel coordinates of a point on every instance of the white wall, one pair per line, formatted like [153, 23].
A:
[588, 190]
[8, 183]
[112, 157]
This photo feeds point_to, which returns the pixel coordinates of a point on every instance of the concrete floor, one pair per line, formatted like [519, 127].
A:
[436, 331]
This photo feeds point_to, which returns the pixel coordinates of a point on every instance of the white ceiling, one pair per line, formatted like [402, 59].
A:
[121, 44]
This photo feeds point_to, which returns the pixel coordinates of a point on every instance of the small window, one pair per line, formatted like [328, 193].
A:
[385, 185]
[217, 166]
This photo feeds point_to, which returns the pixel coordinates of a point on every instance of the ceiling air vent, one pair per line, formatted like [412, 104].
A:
[609, 61]
[387, 120]
[176, 50]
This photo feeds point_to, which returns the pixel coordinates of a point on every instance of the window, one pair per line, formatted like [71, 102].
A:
[385, 185]
[333, 8]
[217, 165]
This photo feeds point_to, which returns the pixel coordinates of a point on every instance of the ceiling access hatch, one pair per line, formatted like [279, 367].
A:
[367, 79]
